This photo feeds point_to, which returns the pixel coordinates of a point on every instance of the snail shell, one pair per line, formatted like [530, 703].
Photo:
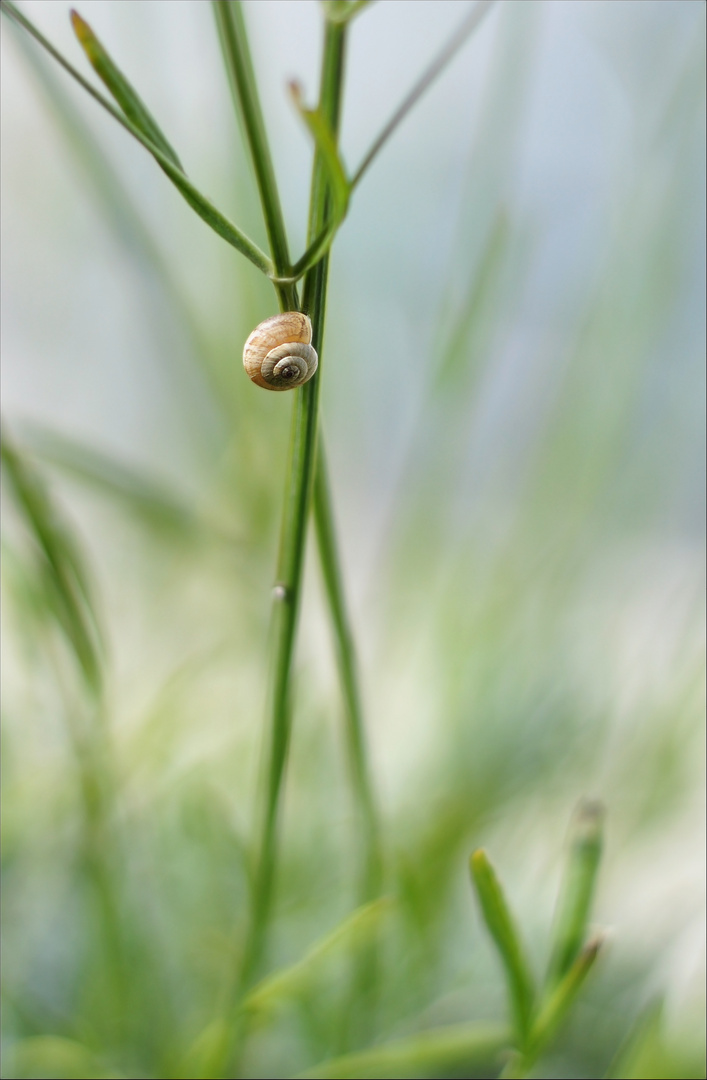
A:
[278, 354]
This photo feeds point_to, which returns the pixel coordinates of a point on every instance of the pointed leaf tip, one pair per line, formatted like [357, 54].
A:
[120, 88]
[81, 28]
[296, 91]
[578, 888]
[478, 858]
[501, 926]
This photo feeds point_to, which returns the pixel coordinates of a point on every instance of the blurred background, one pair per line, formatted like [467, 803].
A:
[513, 406]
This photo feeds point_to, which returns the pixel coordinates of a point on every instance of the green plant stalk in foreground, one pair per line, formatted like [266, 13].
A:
[300, 477]
[574, 905]
[372, 868]
[239, 65]
[234, 40]
[229, 19]
[501, 926]
[298, 492]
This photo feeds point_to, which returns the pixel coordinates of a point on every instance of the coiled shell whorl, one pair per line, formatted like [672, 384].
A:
[278, 354]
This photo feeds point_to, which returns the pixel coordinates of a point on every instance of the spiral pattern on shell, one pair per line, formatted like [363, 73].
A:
[278, 354]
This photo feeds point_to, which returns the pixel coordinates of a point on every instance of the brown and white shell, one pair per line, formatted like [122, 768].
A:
[278, 354]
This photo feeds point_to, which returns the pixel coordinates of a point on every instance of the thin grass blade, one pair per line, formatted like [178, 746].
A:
[470, 329]
[562, 998]
[116, 203]
[62, 561]
[355, 932]
[465, 1046]
[113, 78]
[158, 506]
[215, 219]
[339, 186]
[501, 926]
[244, 88]
[577, 892]
[234, 40]
[455, 43]
[346, 657]
[326, 144]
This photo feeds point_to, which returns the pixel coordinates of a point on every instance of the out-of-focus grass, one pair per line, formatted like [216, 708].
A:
[518, 486]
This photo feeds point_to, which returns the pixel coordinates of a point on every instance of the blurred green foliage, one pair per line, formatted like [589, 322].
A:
[523, 530]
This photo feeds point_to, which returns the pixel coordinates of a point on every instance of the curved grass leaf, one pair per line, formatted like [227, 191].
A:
[206, 1056]
[62, 562]
[244, 89]
[355, 932]
[577, 891]
[346, 658]
[338, 183]
[558, 1004]
[501, 927]
[338, 11]
[198, 202]
[153, 502]
[426, 79]
[464, 1046]
[120, 88]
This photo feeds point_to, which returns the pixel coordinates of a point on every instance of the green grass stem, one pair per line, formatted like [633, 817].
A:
[327, 148]
[577, 891]
[501, 926]
[428, 76]
[355, 933]
[341, 185]
[439, 1052]
[287, 591]
[559, 1002]
[553, 1012]
[300, 477]
[241, 75]
[346, 658]
[64, 571]
[234, 41]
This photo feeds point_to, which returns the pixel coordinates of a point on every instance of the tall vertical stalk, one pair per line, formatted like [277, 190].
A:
[299, 483]
[304, 463]
[300, 476]
[302, 456]
[371, 869]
